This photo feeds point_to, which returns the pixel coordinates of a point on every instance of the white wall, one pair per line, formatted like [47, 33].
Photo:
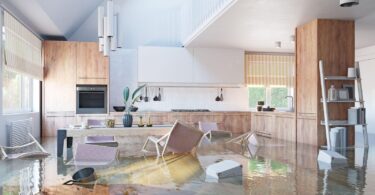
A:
[123, 73]
[366, 58]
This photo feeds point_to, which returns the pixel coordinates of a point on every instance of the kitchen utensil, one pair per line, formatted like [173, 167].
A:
[146, 97]
[159, 96]
[85, 175]
[119, 108]
[156, 96]
[217, 98]
[221, 95]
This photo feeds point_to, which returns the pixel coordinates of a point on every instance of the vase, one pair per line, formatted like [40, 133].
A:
[127, 120]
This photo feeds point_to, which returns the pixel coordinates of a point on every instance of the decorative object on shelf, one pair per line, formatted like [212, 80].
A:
[352, 73]
[356, 116]
[343, 94]
[119, 108]
[149, 124]
[133, 109]
[351, 91]
[260, 106]
[128, 118]
[107, 28]
[140, 124]
[332, 93]
[110, 123]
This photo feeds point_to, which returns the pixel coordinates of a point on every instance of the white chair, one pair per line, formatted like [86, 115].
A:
[211, 127]
[181, 139]
[22, 142]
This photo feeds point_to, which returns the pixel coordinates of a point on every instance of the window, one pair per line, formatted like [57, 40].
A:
[270, 78]
[20, 93]
[273, 96]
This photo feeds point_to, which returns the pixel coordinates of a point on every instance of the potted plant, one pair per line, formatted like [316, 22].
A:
[127, 119]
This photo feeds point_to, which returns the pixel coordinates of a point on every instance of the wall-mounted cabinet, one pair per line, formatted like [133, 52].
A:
[197, 66]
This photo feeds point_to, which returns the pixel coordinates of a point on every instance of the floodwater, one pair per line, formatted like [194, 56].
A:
[275, 167]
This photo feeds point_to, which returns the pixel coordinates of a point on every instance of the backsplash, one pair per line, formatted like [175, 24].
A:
[123, 72]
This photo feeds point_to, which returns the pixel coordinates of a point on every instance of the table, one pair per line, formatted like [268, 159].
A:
[69, 133]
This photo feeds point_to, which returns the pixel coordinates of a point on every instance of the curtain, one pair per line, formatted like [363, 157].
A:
[270, 69]
[22, 49]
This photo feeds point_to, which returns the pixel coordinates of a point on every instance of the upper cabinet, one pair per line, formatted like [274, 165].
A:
[218, 66]
[92, 66]
[198, 66]
[165, 65]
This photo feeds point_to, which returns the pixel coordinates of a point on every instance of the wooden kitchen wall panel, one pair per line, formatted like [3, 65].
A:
[285, 128]
[59, 76]
[307, 68]
[307, 131]
[92, 66]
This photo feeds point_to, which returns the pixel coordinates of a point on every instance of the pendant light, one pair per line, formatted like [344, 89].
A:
[100, 21]
[110, 17]
[114, 39]
[106, 38]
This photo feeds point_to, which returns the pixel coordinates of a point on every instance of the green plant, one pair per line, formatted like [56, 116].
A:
[134, 97]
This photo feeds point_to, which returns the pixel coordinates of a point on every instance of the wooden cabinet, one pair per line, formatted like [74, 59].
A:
[92, 66]
[67, 64]
[333, 42]
[59, 76]
[277, 125]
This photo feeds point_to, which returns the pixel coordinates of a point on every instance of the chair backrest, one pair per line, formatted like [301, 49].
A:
[94, 122]
[207, 126]
[183, 138]
[18, 132]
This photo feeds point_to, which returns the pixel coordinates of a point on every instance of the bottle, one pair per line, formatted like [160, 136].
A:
[332, 93]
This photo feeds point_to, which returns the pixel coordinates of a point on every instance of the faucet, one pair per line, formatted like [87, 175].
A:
[291, 97]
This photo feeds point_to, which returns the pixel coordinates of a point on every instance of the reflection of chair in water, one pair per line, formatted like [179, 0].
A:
[22, 142]
[172, 169]
[181, 139]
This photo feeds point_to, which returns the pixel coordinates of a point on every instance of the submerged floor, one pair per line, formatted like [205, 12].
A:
[277, 167]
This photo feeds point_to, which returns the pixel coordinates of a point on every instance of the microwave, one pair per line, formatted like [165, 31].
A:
[91, 99]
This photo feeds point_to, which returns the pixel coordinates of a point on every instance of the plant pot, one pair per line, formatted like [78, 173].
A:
[127, 120]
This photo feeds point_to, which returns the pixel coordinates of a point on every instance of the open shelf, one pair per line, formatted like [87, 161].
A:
[340, 78]
[334, 123]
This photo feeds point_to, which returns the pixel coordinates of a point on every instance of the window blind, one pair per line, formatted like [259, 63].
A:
[22, 49]
[270, 69]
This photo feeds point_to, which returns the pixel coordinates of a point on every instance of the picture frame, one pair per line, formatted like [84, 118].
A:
[343, 94]
[351, 90]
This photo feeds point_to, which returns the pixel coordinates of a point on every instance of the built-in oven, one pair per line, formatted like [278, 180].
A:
[91, 99]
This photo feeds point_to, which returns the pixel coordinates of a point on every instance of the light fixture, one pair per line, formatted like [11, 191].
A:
[348, 3]
[278, 44]
[100, 21]
[106, 38]
[114, 39]
[110, 18]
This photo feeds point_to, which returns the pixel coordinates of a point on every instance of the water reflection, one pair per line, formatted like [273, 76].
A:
[275, 167]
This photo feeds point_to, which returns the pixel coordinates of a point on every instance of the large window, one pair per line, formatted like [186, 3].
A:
[270, 78]
[22, 67]
[20, 93]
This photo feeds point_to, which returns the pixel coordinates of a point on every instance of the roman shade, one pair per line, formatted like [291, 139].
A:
[22, 49]
[270, 69]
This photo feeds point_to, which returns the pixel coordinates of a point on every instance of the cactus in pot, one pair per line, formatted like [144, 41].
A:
[129, 104]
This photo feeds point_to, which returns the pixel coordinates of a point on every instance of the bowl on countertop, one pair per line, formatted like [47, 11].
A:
[119, 108]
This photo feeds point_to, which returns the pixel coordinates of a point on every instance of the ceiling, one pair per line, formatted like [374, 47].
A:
[255, 25]
[52, 18]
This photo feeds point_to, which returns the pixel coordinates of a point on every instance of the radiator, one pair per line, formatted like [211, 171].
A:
[18, 132]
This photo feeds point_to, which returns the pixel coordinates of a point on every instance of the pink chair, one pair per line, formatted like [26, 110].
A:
[181, 139]
[99, 140]
[209, 127]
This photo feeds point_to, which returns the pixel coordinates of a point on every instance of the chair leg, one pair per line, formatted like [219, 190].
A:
[157, 149]
[144, 145]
